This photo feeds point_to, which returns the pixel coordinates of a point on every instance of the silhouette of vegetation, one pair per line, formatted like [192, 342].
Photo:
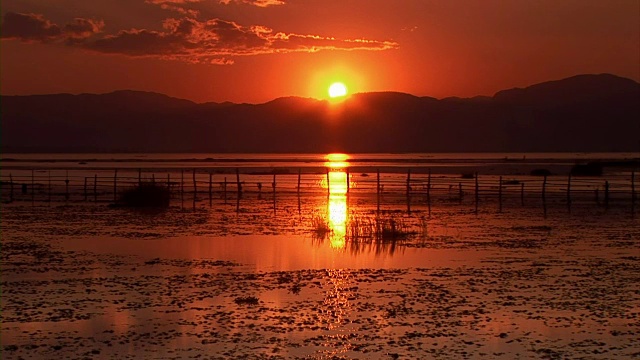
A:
[145, 195]
[590, 169]
[540, 172]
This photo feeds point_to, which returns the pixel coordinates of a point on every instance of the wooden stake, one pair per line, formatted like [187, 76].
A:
[378, 189]
[49, 184]
[182, 185]
[210, 186]
[500, 193]
[569, 190]
[274, 192]
[522, 194]
[238, 185]
[429, 189]
[195, 186]
[11, 185]
[409, 191]
[477, 192]
[633, 187]
[115, 185]
[66, 184]
[348, 181]
[544, 188]
[328, 184]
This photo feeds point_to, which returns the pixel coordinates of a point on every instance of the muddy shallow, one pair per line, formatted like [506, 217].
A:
[88, 281]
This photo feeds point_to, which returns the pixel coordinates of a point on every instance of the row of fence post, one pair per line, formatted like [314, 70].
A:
[379, 186]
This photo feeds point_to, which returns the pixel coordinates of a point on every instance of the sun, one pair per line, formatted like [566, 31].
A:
[337, 89]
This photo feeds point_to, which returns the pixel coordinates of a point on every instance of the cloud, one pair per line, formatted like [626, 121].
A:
[215, 40]
[83, 28]
[180, 6]
[35, 28]
[260, 3]
[28, 27]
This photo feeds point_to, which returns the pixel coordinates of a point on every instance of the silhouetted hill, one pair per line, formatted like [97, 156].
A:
[581, 113]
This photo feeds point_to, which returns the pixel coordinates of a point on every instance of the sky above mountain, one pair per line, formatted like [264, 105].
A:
[257, 50]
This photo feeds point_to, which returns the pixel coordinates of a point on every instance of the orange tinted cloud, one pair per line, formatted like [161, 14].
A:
[208, 41]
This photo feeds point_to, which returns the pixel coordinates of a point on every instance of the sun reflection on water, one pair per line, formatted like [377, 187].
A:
[337, 208]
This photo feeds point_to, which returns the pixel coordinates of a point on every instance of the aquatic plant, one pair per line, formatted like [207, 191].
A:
[320, 226]
[246, 300]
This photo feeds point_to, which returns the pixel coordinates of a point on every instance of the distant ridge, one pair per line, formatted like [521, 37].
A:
[580, 113]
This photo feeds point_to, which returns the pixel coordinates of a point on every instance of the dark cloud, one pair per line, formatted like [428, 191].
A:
[215, 40]
[34, 27]
[28, 27]
[83, 28]
[212, 41]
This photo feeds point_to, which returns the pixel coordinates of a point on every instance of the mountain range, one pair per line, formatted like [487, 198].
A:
[590, 113]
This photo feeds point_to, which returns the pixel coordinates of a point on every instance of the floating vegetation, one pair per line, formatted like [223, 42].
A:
[246, 300]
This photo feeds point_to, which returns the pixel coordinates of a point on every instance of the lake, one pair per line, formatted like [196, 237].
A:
[446, 256]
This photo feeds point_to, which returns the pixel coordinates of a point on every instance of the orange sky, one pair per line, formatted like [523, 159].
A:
[257, 50]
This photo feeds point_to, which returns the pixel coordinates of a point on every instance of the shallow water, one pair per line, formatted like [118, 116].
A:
[311, 277]
[87, 280]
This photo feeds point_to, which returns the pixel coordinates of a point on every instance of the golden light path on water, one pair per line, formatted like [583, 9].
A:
[337, 210]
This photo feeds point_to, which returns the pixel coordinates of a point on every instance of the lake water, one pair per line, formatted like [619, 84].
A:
[339, 271]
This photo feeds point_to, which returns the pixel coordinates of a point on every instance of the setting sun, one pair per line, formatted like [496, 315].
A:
[337, 89]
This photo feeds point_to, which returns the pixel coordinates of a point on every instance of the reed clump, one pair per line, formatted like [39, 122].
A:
[387, 229]
[320, 226]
